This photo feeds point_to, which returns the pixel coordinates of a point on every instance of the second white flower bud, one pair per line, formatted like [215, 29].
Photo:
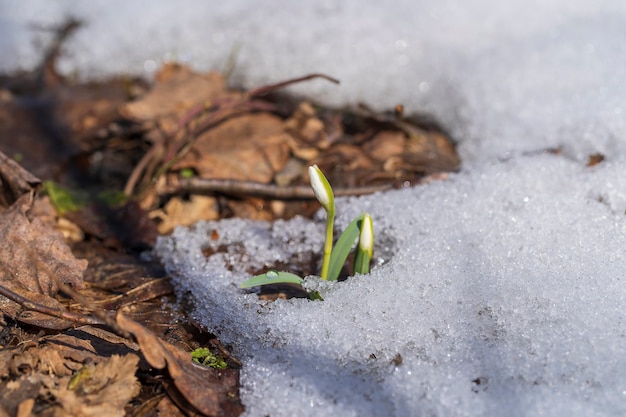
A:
[366, 239]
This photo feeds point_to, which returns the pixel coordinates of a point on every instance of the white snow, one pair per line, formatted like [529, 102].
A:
[502, 288]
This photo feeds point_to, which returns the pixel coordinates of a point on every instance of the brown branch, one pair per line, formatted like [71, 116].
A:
[273, 87]
[50, 311]
[141, 168]
[258, 189]
[46, 72]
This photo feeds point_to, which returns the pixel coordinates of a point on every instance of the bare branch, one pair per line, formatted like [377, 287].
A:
[257, 189]
[273, 87]
[50, 311]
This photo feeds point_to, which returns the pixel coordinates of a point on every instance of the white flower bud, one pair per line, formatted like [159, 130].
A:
[366, 239]
[321, 188]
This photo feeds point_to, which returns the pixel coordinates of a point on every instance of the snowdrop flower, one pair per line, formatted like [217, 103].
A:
[324, 194]
[321, 188]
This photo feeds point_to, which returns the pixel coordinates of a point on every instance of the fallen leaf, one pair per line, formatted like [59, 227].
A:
[15, 392]
[307, 127]
[15, 181]
[594, 159]
[261, 149]
[176, 93]
[185, 212]
[31, 251]
[429, 153]
[386, 144]
[103, 390]
[63, 354]
[202, 387]
[25, 408]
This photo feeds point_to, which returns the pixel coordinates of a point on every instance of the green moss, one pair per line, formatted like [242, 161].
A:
[205, 357]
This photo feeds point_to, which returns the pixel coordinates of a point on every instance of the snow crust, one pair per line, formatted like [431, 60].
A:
[499, 298]
[501, 288]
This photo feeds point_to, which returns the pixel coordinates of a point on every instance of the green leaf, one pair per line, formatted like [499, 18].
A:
[315, 296]
[113, 198]
[62, 199]
[272, 277]
[343, 246]
[187, 173]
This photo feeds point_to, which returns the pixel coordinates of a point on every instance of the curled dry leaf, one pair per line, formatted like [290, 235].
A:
[68, 372]
[101, 389]
[203, 388]
[31, 251]
[15, 181]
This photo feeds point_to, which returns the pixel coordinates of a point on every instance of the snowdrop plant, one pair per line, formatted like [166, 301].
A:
[324, 194]
[361, 229]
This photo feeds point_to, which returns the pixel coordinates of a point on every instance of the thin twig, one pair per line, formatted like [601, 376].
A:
[101, 315]
[258, 189]
[50, 311]
[273, 87]
[47, 68]
[141, 167]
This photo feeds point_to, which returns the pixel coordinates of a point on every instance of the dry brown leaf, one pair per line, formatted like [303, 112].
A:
[44, 210]
[180, 212]
[307, 127]
[16, 392]
[63, 354]
[58, 355]
[104, 390]
[31, 251]
[25, 408]
[28, 242]
[431, 152]
[251, 208]
[250, 147]
[386, 144]
[204, 388]
[5, 356]
[23, 362]
[15, 181]
[176, 93]
[594, 159]
[67, 372]
[166, 408]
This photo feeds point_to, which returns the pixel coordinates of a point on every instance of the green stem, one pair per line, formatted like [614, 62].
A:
[328, 245]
